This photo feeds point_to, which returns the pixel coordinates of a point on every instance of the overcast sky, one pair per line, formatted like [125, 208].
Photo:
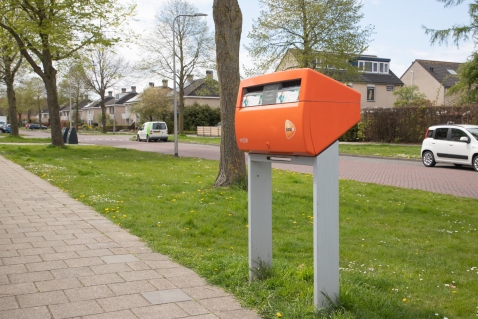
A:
[398, 36]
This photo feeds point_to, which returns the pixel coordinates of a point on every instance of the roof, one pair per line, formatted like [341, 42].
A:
[377, 78]
[82, 104]
[199, 87]
[440, 70]
[109, 100]
[125, 97]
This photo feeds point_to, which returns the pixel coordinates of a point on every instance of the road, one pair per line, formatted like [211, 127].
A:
[445, 179]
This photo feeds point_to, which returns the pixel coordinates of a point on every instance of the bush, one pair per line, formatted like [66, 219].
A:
[200, 115]
[407, 124]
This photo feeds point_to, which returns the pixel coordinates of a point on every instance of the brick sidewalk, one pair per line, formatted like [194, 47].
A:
[61, 259]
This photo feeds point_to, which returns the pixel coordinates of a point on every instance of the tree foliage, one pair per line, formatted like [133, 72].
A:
[321, 33]
[456, 32]
[467, 86]
[200, 115]
[194, 45]
[155, 104]
[50, 31]
[410, 96]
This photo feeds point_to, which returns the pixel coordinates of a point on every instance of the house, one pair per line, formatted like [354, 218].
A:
[375, 80]
[202, 91]
[433, 78]
[65, 110]
[91, 112]
[120, 110]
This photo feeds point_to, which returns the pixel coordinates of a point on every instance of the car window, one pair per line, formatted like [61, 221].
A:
[430, 133]
[474, 132]
[456, 134]
[159, 126]
[441, 133]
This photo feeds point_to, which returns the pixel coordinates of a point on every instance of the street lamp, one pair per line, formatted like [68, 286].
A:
[174, 79]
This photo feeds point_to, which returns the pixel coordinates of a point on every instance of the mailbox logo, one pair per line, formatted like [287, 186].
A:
[289, 129]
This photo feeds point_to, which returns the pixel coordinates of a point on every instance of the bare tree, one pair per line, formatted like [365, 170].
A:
[103, 70]
[228, 21]
[194, 47]
[77, 87]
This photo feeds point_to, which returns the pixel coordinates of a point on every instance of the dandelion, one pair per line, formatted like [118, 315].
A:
[279, 314]
[404, 299]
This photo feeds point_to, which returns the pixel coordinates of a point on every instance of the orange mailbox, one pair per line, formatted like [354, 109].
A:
[296, 112]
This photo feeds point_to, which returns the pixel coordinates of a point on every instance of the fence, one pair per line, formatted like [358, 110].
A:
[210, 131]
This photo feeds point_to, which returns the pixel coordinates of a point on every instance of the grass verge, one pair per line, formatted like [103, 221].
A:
[403, 253]
[20, 139]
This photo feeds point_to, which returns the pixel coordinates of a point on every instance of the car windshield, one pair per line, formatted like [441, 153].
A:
[473, 131]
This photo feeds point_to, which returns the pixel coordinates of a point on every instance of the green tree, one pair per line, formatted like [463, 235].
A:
[200, 115]
[409, 96]
[77, 90]
[50, 31]
[228, 22]
[321, 33]
[155, 104]
[457, 32]
[467, 86]
[194, 44]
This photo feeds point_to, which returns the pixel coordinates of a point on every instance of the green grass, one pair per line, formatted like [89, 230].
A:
[403, 253]
[7, 138]
[382, 150]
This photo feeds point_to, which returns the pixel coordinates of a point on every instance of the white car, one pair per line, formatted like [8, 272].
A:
[153, 131]
[452, 143]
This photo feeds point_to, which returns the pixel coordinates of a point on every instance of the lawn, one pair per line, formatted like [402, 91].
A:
[403, 253]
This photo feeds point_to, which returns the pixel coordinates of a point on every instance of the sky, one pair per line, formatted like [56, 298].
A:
[398, 33]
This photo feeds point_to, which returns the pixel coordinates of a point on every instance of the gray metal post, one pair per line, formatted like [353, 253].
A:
[326, 226]
[260, 214]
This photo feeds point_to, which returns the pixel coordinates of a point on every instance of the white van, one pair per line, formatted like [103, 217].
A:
[153, 131]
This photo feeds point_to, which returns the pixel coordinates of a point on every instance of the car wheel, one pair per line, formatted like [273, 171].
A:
[475, 163]
[165, 140]
[147, 139]
[428, 159]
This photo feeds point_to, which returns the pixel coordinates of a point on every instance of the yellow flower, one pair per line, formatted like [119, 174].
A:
[279, 314]
[404, 299]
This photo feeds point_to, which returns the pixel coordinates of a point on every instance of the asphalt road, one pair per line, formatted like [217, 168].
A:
[445, 179]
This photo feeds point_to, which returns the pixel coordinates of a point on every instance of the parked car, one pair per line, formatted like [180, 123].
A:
[8, 128]
[153, 131]
[454, 144]
[37, 127]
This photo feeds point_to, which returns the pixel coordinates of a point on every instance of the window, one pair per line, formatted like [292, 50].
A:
[441, 133]
[430, 133]
[375, 65]
[112, 109]
[390, 87]
[370, 93]
[456, 134]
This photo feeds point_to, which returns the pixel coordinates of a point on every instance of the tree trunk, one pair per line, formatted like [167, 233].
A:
[12, 101]
[103, 111]
[53, 108]
[228, 22]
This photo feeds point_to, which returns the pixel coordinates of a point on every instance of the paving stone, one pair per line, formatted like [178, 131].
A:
[100, 279]
[122, 302]
[42, 299]
[95, 253]
[46, 265]
[116, 259]
[59, 256]
[28, 313]
[205, 292]
[162, 284]
[221, 304]
[161, 264]
[124, 314]
[89, 293]
[18, 289]
[166, 296]
[30, 277]
[165, 311]
[188, 281]
[72, 272]
[8, 303]
[192, 308]
[58, 284]
[65, 248]
[131, 287]
[72, 309]
[139, 275]
[12, 269]
[110, 268]
[238, 314]
[82, 262]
